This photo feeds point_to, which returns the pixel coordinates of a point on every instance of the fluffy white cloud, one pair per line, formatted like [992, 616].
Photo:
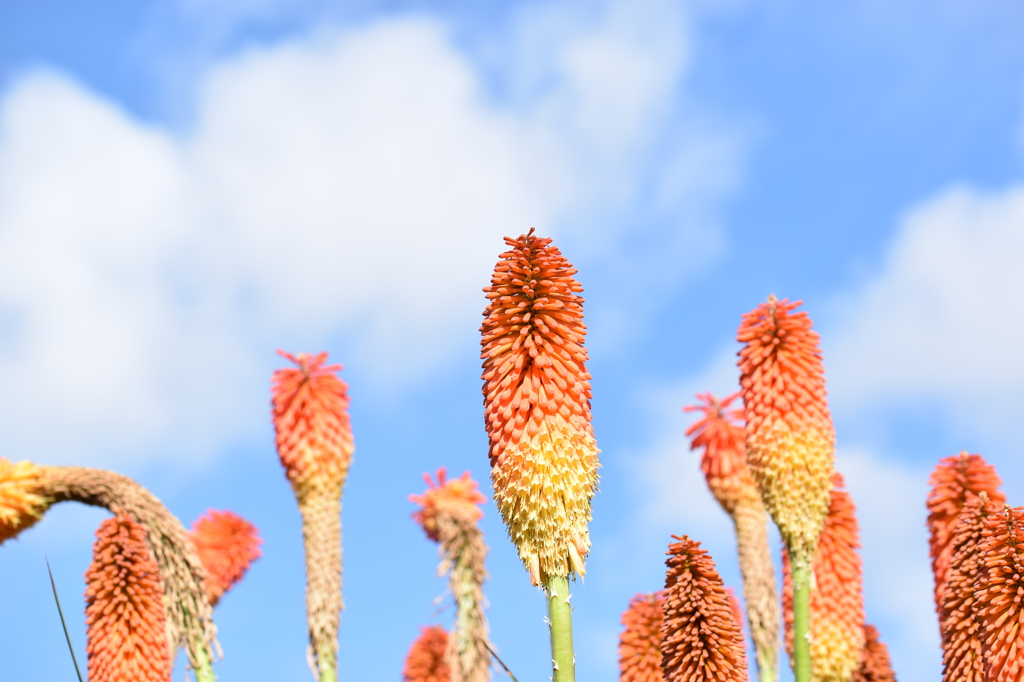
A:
[349, 185]
[940, 321]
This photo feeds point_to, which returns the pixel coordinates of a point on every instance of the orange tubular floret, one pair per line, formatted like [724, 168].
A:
[724, 461]
[310, 412]
[790, 439]
[227, 545]
[954, 481]
[124, 607]
[537, 406]
[640, 641]
[425, 661]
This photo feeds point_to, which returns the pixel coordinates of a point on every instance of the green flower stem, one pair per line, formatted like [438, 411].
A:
[563, 660]
[326, 659]
[801, 617]
[203, 668]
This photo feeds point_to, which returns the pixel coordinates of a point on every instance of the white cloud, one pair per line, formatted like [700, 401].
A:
[351, 184]
[940, 321]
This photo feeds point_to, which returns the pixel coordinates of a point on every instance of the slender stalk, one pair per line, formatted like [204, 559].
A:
[203, 668]
[60, 612]
[563, 660]
[326, 656]
[801, 618]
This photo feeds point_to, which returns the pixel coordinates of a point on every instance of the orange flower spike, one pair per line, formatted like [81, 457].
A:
[955, 480]
[701, 640]
[425, 661]
[962, 659]
[314, 442]
[724, 464]
[537, 406]
[640, 641]
[457, 498]
[837, 602]
[227, 545]
[876, 665]
[124, 612]
[997, 596]
[790, 439]
[21, 500]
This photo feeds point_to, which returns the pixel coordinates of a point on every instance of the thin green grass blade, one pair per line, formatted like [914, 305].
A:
[500, 662]
[65, 625]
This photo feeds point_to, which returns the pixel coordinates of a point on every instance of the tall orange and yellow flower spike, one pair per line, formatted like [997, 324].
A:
[314, 442]
[954, 481]
[724, 464]
[998, 606]
[227, 545]
[426, 660]
[449, 514]
[640, 640]
[124, 612]
[21, 501]
[837, 600]
[790, 439]
[701, 639]
[537, 414]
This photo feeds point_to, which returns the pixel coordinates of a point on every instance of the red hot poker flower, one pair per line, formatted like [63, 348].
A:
[998, 606]
[954, 481]
[457, 498]
[124, 612]
[227, 545]
[876, 665]
[724, 462]
[425, 661]
[640, 641]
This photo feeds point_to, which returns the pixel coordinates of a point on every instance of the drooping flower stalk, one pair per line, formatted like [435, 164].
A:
[724, 464]
[449, 514]
[998, 606]
[961, 644]
[124, 611]
[837, 600]
[21, 503]
[640, 640]
[875, 663]
[537, 414]
[227, 545]
[427, 660]
[314, 442]
[790, 441]
[953, 482]
[189, 615]
[701, 640]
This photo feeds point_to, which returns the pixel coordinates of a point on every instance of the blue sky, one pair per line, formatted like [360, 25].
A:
[187, 186]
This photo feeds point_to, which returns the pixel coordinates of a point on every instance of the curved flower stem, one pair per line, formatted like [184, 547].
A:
[563, 660]
[801, 618]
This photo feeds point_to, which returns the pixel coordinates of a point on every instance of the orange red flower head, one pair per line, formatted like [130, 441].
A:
[537, 406]
[310, 412]
[227, 545]
[701, 639]
[425, 661]
[21, 503]
[458, 498]
[998, 590]
[124, 612]
[640, 641]
[790, 439]
[724, 462]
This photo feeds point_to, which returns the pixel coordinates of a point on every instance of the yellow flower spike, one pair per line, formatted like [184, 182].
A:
[21, 501]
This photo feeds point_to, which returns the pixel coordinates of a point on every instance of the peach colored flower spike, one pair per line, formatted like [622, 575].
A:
[21, 503]
[998, 607]
[724, 464]
[876, 665]
[449, 514]
[701, 640]
[640, 641]
[314, 442]
[954, 481]
[425, 661]
[837, 600]
[790, 439]
[124, 610]
[537, 406]
[227, 545]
